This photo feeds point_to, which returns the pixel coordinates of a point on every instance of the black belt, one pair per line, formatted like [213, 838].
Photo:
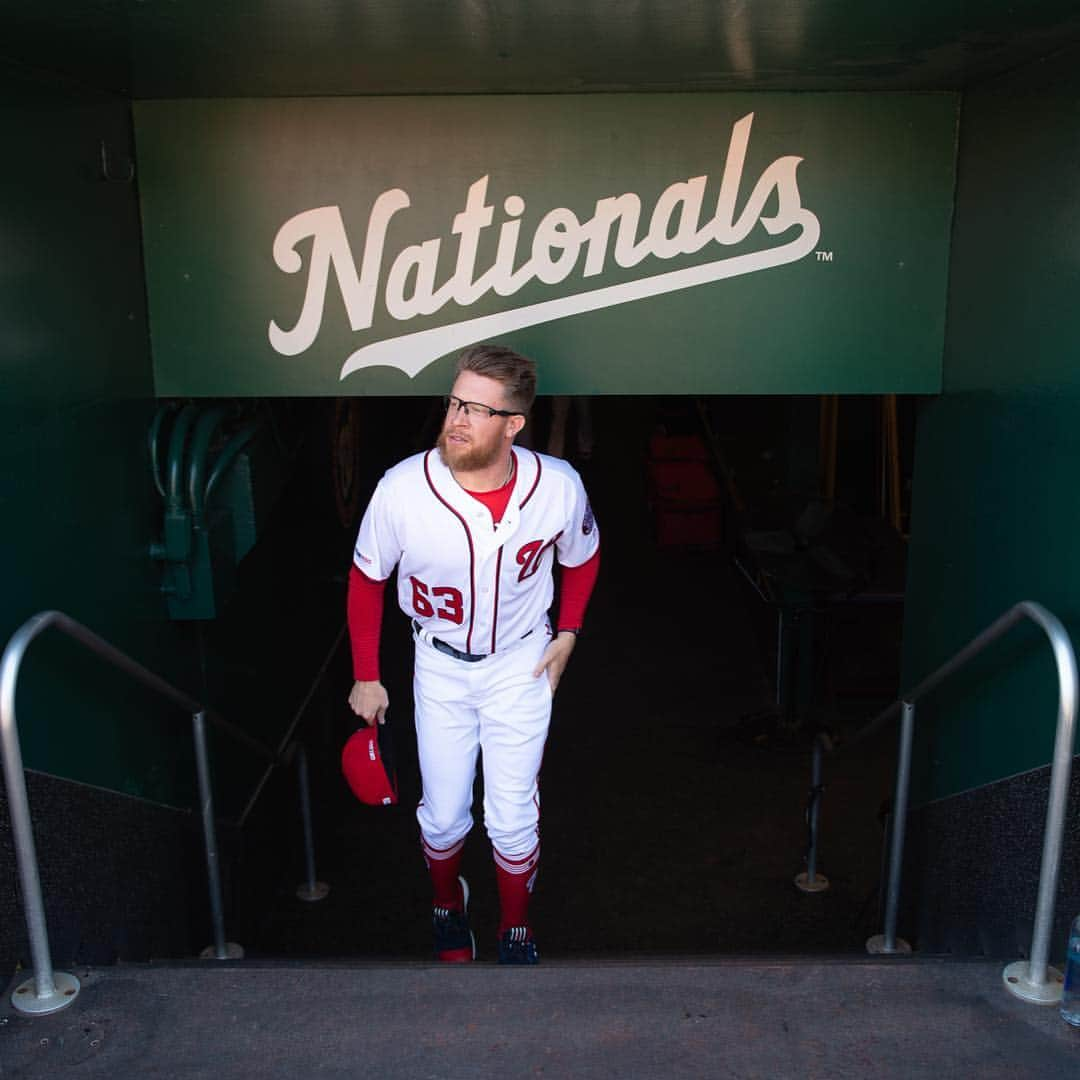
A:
[446, 647]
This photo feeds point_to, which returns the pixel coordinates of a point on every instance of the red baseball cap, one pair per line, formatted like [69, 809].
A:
[366, 763]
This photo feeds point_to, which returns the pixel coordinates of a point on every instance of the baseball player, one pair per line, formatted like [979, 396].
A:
[474, 527]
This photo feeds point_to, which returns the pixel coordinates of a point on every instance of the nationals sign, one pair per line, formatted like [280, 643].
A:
[765, 243]
[560, 245]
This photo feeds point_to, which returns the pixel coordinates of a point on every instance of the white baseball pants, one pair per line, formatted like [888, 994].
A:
[494, 706]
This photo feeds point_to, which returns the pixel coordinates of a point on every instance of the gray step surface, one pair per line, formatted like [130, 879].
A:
[565, 1018]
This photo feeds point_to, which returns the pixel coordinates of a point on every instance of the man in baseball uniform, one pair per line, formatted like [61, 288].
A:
[474, 527]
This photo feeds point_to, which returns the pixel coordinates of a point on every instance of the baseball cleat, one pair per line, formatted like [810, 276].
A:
[454, 941]
[516, 946]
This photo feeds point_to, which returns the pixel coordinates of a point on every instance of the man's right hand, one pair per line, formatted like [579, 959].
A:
[369, 701]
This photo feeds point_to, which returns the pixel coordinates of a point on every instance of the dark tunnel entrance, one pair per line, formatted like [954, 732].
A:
[738, 613]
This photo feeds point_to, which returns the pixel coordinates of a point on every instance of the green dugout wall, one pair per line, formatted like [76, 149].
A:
[994, 517]
[76, 499]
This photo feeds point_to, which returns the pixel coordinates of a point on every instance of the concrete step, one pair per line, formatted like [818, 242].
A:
[635, 1017]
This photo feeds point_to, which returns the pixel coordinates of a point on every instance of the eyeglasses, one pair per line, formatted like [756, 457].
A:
[474, 408]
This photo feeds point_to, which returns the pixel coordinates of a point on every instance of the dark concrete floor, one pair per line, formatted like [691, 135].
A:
[746, 1019]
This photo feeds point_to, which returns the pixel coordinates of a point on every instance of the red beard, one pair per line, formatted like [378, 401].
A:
[466, 458]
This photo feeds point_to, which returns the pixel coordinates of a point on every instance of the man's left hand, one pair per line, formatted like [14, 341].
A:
[555, 658]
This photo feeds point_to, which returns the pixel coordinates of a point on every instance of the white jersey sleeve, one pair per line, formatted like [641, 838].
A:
[378, 548]
[580, 537]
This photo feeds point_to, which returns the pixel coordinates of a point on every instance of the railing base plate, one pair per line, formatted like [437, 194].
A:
[875, 946]
[804, 884]
[232, 952]
[26, 1001]
[1015, 977]
[319, 892]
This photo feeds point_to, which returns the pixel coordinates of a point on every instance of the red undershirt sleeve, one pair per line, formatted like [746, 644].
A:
[365, 611]
[576, 588]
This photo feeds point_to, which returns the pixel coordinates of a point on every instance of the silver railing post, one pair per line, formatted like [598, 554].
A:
[888, 942]
[1032, 980]
[220, 949]
[311, 890]
[811, 881]
[1051, 859]
[815, 789]
[47, 991]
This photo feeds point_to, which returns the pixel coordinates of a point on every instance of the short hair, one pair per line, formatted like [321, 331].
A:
[516, 373]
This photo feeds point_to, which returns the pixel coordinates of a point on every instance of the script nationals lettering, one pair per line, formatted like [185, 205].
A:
[560, 244]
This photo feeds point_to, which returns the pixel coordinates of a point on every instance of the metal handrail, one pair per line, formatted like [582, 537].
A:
[54, 990]
[1030, 979]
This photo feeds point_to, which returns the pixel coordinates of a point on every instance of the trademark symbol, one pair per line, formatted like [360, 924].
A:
[823, 256]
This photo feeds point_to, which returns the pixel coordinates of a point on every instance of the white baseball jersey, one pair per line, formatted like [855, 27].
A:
[477, 586]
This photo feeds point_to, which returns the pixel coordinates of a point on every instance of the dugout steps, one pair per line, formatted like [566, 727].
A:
[641, 1018]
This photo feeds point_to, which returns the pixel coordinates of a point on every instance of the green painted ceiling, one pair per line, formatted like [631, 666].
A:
[173, 48]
